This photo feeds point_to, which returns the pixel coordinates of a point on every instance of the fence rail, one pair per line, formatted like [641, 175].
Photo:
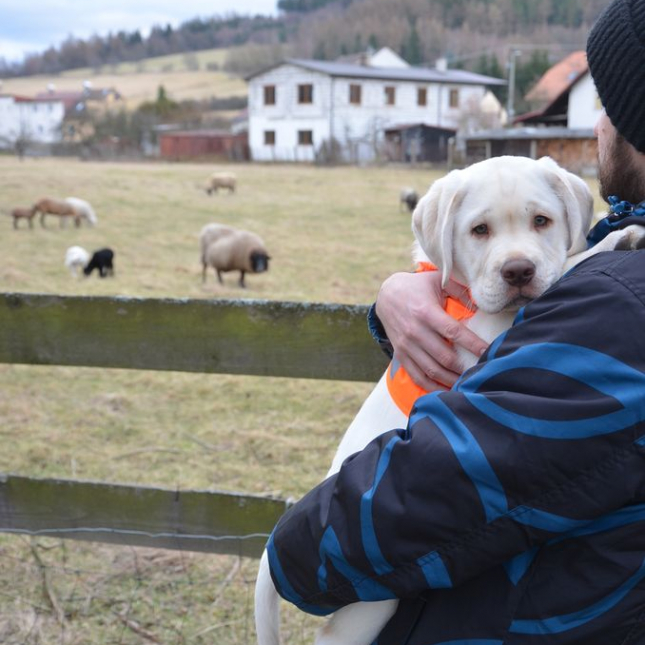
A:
[137, 515]
[252, 337]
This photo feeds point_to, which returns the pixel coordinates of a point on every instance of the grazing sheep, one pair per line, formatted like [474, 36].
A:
[102, 260]
[230, 249]
[83, 209]
[76, 259]
[221, 180]
[23, 213]
[409, 197]
[62, 209]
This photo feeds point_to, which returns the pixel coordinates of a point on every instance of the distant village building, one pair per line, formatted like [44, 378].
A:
[25, 121]
[80, 105]
[561, 126]
[300, 107]
[565, 95]
[190, 144]
[87, 97]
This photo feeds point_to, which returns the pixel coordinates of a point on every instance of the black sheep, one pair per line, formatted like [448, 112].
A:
[102, 260]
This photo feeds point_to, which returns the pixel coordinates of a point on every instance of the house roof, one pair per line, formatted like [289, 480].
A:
[416, 74]
[197, 134]
[559, 78]
[532, 133]
[423, 126]
[17, 98]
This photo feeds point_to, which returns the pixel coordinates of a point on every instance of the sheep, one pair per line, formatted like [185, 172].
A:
[221, 180]
[83, 209]
[23, 213]
[76, 258]
[409, 197]
[230, 249]
[62, 209]
[102, 260]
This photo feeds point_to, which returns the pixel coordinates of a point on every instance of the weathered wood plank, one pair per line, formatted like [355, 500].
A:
[255, 337]
[139, 516]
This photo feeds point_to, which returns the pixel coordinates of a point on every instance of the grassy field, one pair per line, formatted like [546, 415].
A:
[333, 234]
[184, 76]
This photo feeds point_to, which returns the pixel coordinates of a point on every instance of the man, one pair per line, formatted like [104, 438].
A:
[512, 508]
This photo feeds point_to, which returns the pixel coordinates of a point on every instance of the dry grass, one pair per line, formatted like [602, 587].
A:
[138, 82]
[334, 234]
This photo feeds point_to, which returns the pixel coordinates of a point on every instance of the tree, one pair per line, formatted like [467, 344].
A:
[412, 47]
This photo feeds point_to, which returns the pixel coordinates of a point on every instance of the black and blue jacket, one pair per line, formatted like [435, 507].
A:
[512, 508]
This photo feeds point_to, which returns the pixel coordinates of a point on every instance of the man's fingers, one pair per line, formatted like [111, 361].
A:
[459, 334]
[427, 380]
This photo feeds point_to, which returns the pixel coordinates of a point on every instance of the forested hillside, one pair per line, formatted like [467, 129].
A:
[420, 30]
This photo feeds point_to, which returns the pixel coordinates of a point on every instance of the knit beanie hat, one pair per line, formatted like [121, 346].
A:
[616, 57]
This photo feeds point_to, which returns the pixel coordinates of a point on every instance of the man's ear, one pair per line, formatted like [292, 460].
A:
[577, 200]
[433, 220]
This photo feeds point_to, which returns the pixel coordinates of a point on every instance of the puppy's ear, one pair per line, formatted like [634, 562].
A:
[577, 200]
[433, 221]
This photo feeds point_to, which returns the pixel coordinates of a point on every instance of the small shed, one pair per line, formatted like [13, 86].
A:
[191, 144]
[574, 149]
[417, 142]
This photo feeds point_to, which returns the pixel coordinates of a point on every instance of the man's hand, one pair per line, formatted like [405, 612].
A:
[411, 308]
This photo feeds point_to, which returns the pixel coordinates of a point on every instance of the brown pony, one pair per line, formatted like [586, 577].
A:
[62, 209]
[23, 213]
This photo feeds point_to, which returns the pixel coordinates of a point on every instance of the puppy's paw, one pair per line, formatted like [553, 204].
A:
[631, 238]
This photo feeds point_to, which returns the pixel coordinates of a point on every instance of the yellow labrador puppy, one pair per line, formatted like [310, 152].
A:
[507, 228]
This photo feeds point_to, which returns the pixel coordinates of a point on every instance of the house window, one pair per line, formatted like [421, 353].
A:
[306, 93]
[305, 138]
[269, 137]
[269, 95]
[454, 98]
[355, 94]
[422, 96]
[390, 95]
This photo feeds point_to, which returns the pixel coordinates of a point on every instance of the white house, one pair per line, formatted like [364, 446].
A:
[584, 107]
[30, 120]
[299, 105]
[561, 127]
[566, 96]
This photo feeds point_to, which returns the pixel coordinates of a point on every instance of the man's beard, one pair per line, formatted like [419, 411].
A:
[619, 174]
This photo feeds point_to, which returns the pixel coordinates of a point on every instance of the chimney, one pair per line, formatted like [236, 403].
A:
[441, 64]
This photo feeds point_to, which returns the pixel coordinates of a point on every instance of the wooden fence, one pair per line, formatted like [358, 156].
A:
[252, 337]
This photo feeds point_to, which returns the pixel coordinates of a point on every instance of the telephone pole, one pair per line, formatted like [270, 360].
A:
[510, 101]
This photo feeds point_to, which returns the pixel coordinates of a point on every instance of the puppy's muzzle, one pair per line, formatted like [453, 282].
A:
[518, 273]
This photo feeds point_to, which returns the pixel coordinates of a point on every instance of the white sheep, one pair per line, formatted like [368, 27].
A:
[76, 259]
[221, 180]
[83, 209]
[230, 249]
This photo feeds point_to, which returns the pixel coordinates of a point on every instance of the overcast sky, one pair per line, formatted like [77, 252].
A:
[28, 26]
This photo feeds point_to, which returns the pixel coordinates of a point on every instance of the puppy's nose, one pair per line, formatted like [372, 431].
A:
[518, 272]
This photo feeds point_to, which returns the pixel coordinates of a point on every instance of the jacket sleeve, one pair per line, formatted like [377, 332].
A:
[378, 333]
[540, 438]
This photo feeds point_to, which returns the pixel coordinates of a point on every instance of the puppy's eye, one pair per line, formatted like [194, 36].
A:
[480, 230]
[541, 221]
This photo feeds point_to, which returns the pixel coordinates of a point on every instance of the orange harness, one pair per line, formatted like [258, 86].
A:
[403, 390]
